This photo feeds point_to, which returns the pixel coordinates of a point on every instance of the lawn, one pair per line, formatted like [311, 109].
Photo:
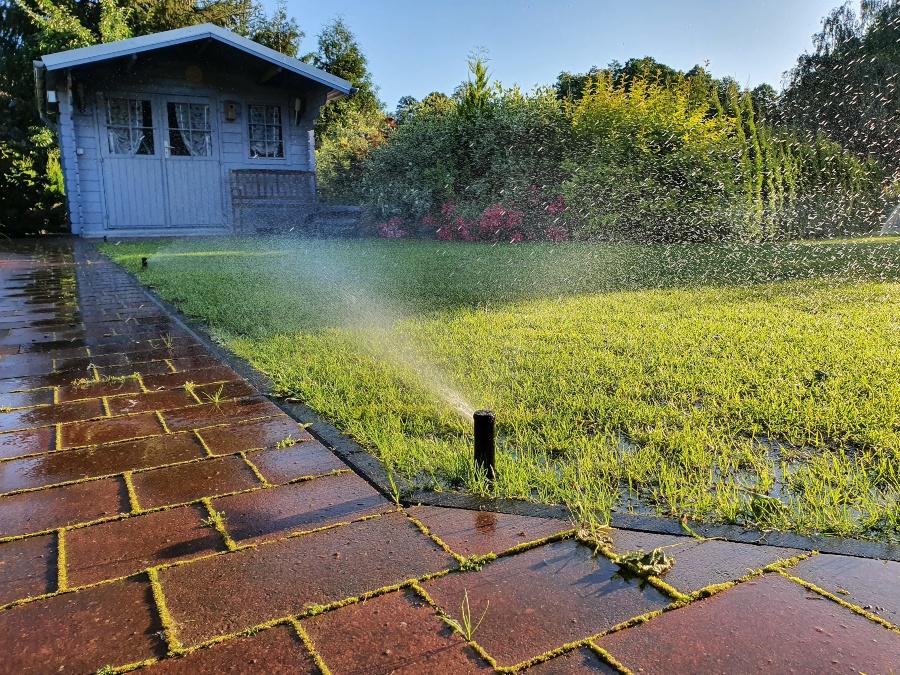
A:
[753, 384]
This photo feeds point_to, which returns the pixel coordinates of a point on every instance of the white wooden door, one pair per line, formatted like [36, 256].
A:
[133, 173]
[193, 173]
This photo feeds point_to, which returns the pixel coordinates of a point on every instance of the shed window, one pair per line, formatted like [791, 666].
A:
[129, 126]
[189, 130]
[266, 139]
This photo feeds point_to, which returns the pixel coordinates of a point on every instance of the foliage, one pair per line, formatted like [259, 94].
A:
[638, 152]
[846, 87]
[347, 129]
[31, 194]
[686, 378]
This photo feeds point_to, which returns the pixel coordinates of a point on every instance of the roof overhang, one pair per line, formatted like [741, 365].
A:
[84, 56]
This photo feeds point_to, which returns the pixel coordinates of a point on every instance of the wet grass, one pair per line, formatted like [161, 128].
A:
[754, 384]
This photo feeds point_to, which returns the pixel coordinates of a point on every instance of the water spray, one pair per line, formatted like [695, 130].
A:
[485, 446]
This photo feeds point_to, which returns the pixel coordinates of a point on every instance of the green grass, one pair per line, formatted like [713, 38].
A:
[755, 384]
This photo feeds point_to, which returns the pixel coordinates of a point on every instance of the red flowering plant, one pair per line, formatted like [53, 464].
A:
[449, 224]
[547, 214]
[501, 223]
[392, 229]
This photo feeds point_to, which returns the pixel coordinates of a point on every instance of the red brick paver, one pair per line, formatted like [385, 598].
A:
[154, 509]
[765, 625]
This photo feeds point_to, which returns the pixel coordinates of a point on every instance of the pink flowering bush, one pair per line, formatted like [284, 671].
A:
[392, 229]
[500, 223]
[449, 224]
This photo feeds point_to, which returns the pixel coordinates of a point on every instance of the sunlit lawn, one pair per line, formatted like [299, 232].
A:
[750, 384]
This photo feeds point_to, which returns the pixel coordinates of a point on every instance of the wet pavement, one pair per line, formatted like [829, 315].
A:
[144, 525]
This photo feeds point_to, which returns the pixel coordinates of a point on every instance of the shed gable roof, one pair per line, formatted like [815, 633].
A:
[170, 38]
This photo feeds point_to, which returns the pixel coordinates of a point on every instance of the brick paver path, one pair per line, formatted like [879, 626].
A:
[156, 511]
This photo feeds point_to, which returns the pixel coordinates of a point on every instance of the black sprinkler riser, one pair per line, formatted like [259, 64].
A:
[485, 442]
[143, 262]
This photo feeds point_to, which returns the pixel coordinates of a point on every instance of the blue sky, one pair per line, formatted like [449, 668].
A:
[418, 47]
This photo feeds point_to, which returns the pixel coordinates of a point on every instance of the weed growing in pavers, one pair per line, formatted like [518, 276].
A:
[214, 520]
[638, 563]
[466, 626]
[286, 443]
[217, 396]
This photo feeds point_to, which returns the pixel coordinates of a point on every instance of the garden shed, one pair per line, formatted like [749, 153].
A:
[191, 131]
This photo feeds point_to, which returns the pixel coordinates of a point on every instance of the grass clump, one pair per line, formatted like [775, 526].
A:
[752, 384]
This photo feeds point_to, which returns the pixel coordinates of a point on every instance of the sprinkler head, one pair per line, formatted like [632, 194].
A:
[143, 262]
[485, 447]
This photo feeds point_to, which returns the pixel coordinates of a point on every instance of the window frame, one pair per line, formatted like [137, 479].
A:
[282, 126]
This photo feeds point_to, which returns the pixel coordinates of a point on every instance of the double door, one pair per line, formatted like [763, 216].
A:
[161, 163]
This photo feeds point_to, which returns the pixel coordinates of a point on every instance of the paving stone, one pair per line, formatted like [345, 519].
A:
[60, 467]
[218, 373]
[98, 389]
[275, 650]
[700, 564]
[769, 624]
[232, 592]
[178, 344]
[871, 584]
[195, 362]
[392, 633]
[24, 399]
[110, 430]
[143, 369]
[123, 547]
[29, 442]
[81, 632]
[211, 414]
[209, 393]
[84, 362]
[38, 382]
[24, 369]
[574, 663]
[300, 506]
[481, 532]
[65, 505]
[304, 459]
[252, 435]
[543, 598]
[187, 482]
[28, 418]
[156, 400]
[27, 567]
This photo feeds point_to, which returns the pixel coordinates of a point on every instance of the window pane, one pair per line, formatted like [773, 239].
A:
[200, 117]
[117, 112]
[178, 145]
[257, 114]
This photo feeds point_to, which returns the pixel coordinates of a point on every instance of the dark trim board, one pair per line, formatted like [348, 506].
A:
[373, 471]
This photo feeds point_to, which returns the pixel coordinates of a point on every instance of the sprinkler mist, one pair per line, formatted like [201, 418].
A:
[485, 446]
